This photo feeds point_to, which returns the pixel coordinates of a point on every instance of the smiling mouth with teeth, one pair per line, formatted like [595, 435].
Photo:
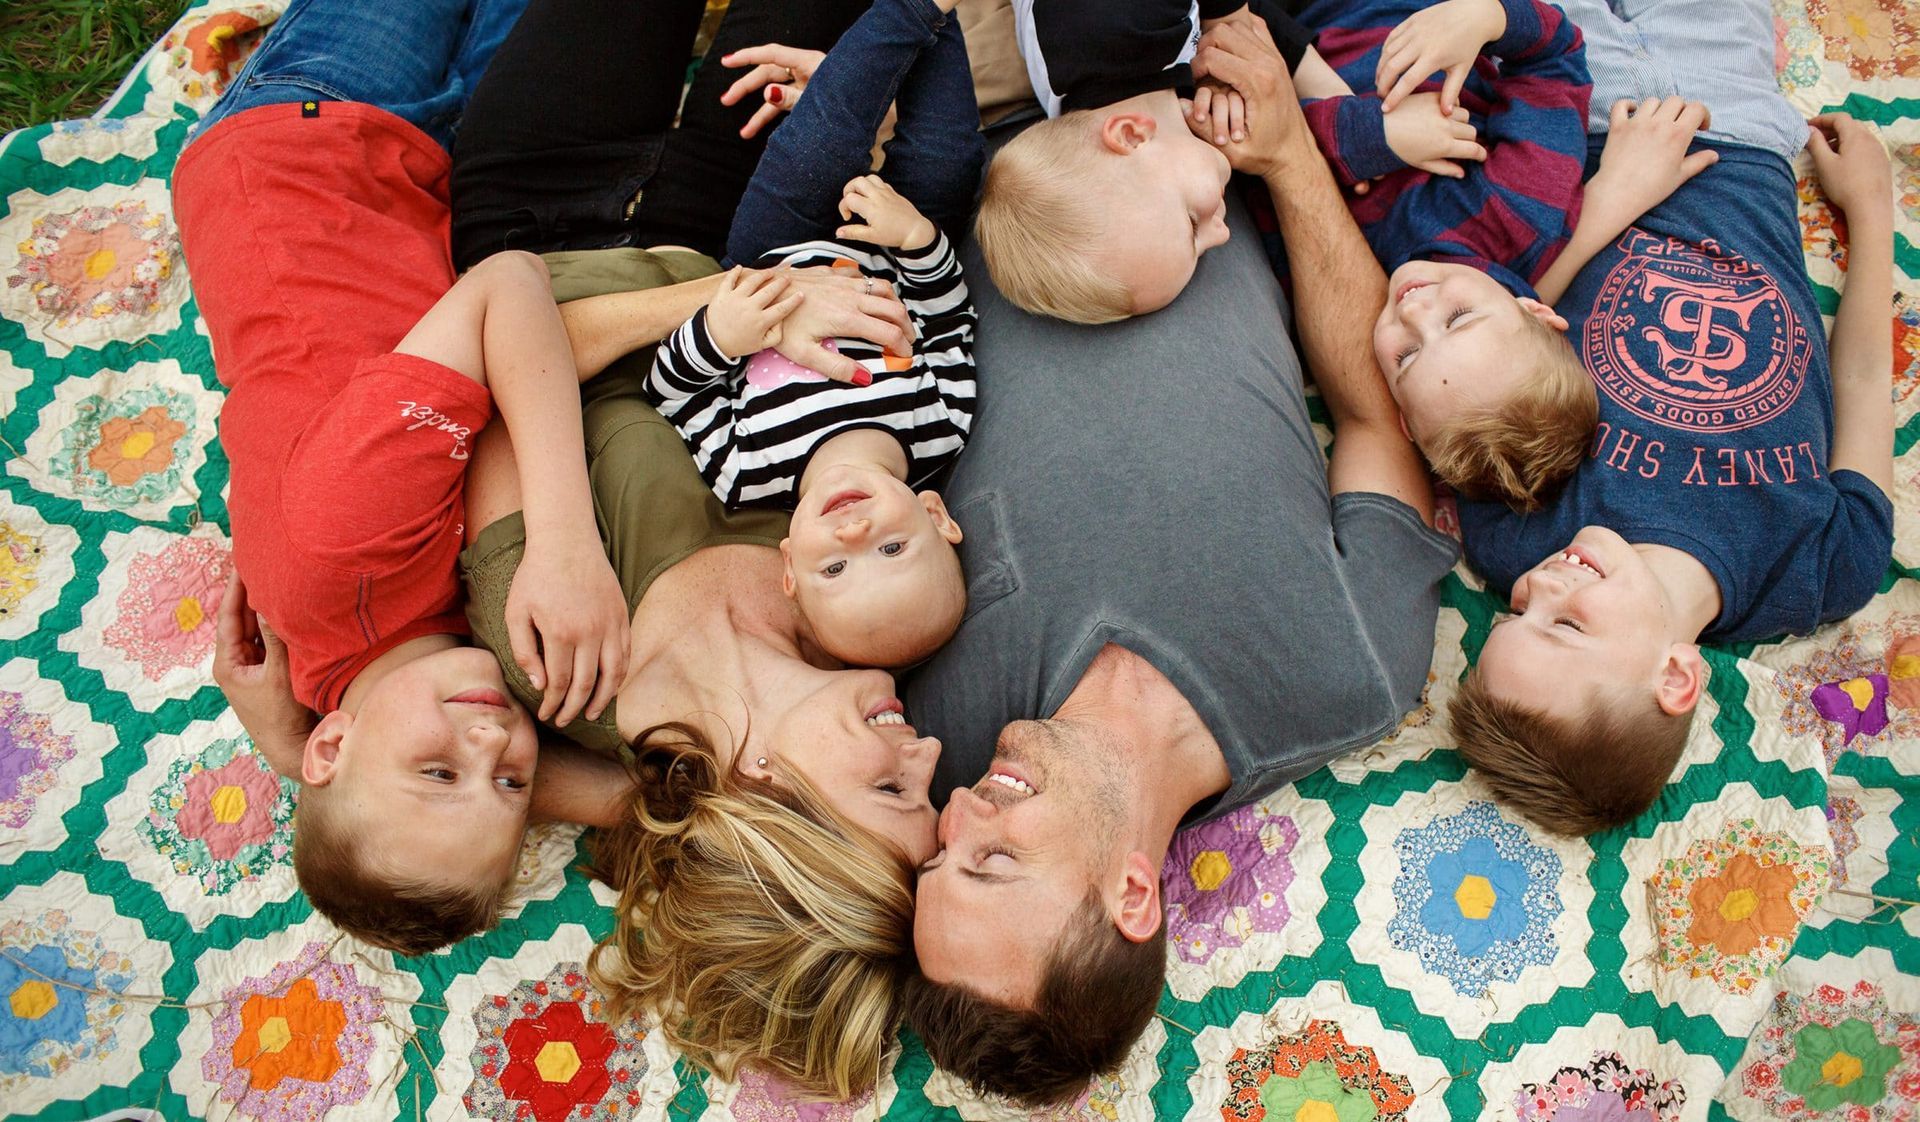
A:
[892, 717]
[1009, 782]
[1573, 559]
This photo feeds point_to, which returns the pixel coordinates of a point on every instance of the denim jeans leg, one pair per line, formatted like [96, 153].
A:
[936, 153]
[795, 191]
[395, 55]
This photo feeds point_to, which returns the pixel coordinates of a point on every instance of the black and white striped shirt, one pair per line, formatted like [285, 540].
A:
[751, 423]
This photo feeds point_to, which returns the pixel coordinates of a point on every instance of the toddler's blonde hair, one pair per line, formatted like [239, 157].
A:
[1039, 220]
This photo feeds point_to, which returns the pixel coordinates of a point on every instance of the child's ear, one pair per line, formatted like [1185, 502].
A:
[1683, 675]
[787, 584]
[1543, 313]
[942, 521]
[1136, 911]
[1123, 133]
[320, 759]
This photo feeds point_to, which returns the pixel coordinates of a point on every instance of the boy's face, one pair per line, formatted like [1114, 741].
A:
[436, 767]
[1588, 622]
[866, 555]
[1167, 206]
[1448, 342]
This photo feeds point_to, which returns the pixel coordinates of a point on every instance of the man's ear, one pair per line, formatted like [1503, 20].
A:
[320, 759]
[1123, 133]
[942, 521]
[787, 583]
[1543, 313]
[1136, 912]
[1682, 676]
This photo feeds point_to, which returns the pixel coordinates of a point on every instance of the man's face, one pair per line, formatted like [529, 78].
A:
[1018, 852]
[1587, 621]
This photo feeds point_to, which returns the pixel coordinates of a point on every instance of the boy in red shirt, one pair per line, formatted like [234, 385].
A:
[358, 371]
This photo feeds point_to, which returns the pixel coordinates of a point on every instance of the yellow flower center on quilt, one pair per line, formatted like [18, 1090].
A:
[137, 445]
[188, 613]
[1841, 1069]
[1739, 904]
[1316, 1110]
[1210, 870]
[557, 1061]
[1906, 666]
[1475, 897]
[219, 37]
[229, 803]
[34, 1000]
[1860, 690]
[274, 1035]
[100, 262]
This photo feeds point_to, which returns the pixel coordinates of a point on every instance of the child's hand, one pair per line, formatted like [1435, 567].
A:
[746, 314]
[1447, 36]
[567, 624]
[781, 72]
[1217, 113]
[1431, 140]
[1645, 159]
[250, 667]
[885, 217]
[1852, 165]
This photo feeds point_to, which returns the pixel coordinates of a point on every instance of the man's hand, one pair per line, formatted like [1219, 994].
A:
[1447, 36]
[886, 218]
[746, 314]
[1645, 160]
[781, 75]
[1852, 165]
[567, 623]
[843, 304]
[1434, 141]
[1242, 55]
[250, 667]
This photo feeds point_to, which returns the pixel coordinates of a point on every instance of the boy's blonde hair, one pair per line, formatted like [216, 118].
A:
[1039, 220]
[1522, 451]
[756, 921]
[1569, 777]
[331, 861]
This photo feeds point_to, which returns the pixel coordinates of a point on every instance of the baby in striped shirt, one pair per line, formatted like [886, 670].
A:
[869, 560]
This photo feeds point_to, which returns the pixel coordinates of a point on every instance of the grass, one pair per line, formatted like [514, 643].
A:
[61, 58]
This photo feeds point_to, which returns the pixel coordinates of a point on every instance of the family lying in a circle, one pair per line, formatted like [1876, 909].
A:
[1549, 253]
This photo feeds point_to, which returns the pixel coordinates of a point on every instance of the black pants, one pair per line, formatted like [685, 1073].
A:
[570, 143]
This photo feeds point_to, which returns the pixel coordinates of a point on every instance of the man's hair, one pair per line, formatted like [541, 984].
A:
[1523, 450]
[1040, 217]
[1571, 777]
[756, 921]
[1097, 993]
[404, 915]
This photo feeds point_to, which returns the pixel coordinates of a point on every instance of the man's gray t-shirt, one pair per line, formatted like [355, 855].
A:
[1156, 484]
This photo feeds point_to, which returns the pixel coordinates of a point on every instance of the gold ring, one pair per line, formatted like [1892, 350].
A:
[869, 281]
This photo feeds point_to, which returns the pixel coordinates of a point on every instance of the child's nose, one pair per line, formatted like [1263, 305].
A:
[852, 531]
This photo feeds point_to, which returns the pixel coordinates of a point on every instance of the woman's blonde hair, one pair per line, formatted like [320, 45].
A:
[760, 924]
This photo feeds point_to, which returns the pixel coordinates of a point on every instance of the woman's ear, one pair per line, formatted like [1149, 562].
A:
[320, 759]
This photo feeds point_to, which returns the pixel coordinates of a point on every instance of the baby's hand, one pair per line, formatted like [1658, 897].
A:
[1217, 113]
[1447, 36]
[1434, 141]
[746, 314]
[1852, 164]
[1645, 159]
[885, 217]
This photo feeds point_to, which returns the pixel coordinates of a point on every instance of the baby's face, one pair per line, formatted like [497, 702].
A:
[1166, 206]
[1587, 622]
[1447, 344]
[868, 560]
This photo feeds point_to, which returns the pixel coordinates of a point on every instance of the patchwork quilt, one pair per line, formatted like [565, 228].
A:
[1377, 942]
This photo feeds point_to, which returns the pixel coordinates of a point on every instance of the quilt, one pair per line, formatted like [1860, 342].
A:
[1376, 943]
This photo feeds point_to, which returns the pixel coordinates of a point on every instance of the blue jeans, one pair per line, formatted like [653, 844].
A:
[417, 59]
[900, 50]
[1719, 52]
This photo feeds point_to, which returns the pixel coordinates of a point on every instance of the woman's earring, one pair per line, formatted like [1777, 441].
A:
[762, 761]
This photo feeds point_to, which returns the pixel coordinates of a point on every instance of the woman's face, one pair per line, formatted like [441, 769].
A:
[845, 731]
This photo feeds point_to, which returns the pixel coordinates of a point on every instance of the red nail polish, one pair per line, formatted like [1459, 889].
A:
[863, 377]
[774, 95]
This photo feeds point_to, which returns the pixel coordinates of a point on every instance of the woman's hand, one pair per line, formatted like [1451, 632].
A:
[250, 667]
[842, 304]
[781, 74]
[567, 624]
